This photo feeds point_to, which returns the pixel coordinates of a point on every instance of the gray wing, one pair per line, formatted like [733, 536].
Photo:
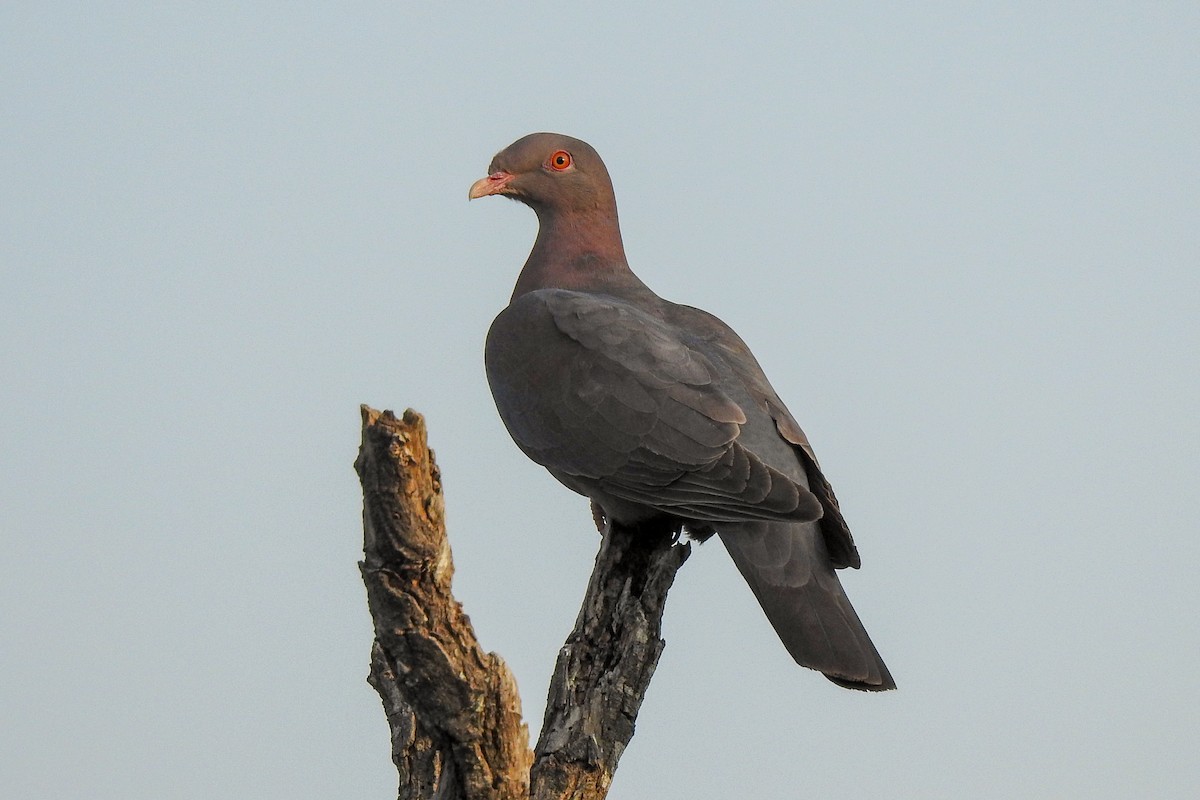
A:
[595, 388]
[838, 541]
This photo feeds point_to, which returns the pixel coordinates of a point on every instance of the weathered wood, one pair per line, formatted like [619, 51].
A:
[453, 709]
[606, 665]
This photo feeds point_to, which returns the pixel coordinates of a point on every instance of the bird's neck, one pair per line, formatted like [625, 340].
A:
[580, 251]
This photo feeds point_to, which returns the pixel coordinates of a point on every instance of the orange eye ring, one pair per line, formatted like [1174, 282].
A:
[561, 160]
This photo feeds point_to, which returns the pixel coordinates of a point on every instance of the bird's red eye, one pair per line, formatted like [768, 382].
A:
[560, 160]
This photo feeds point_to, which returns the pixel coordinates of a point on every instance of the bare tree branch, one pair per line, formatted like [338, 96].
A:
[453, 710]
[606, 665]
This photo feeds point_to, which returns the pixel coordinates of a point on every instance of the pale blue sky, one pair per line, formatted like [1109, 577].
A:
[963, 241]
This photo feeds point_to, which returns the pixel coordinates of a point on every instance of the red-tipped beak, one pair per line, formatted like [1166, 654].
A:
[495, 183]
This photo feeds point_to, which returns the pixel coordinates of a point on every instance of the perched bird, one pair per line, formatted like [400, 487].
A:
[659, 411]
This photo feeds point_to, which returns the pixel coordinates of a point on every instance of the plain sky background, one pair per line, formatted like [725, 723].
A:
[963, 240]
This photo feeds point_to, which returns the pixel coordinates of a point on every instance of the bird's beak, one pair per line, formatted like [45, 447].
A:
[495, 183]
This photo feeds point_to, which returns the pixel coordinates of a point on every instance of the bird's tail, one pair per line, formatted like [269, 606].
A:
[789, 571]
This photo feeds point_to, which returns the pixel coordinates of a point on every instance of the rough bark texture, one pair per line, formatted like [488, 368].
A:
[453, 710]
[606, 665]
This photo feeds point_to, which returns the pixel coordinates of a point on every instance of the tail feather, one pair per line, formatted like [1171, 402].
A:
[790, 573]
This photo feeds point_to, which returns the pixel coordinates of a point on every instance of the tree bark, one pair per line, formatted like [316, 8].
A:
[606, 665]
[453, 709]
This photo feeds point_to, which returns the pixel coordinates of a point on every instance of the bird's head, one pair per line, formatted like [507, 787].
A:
[551, 173]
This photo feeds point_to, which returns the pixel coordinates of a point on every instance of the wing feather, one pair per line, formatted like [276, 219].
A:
[596, 388]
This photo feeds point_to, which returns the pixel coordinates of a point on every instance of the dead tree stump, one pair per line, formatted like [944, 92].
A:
[453, 710]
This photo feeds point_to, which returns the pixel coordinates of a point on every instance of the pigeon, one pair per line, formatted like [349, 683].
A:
[659, 412]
